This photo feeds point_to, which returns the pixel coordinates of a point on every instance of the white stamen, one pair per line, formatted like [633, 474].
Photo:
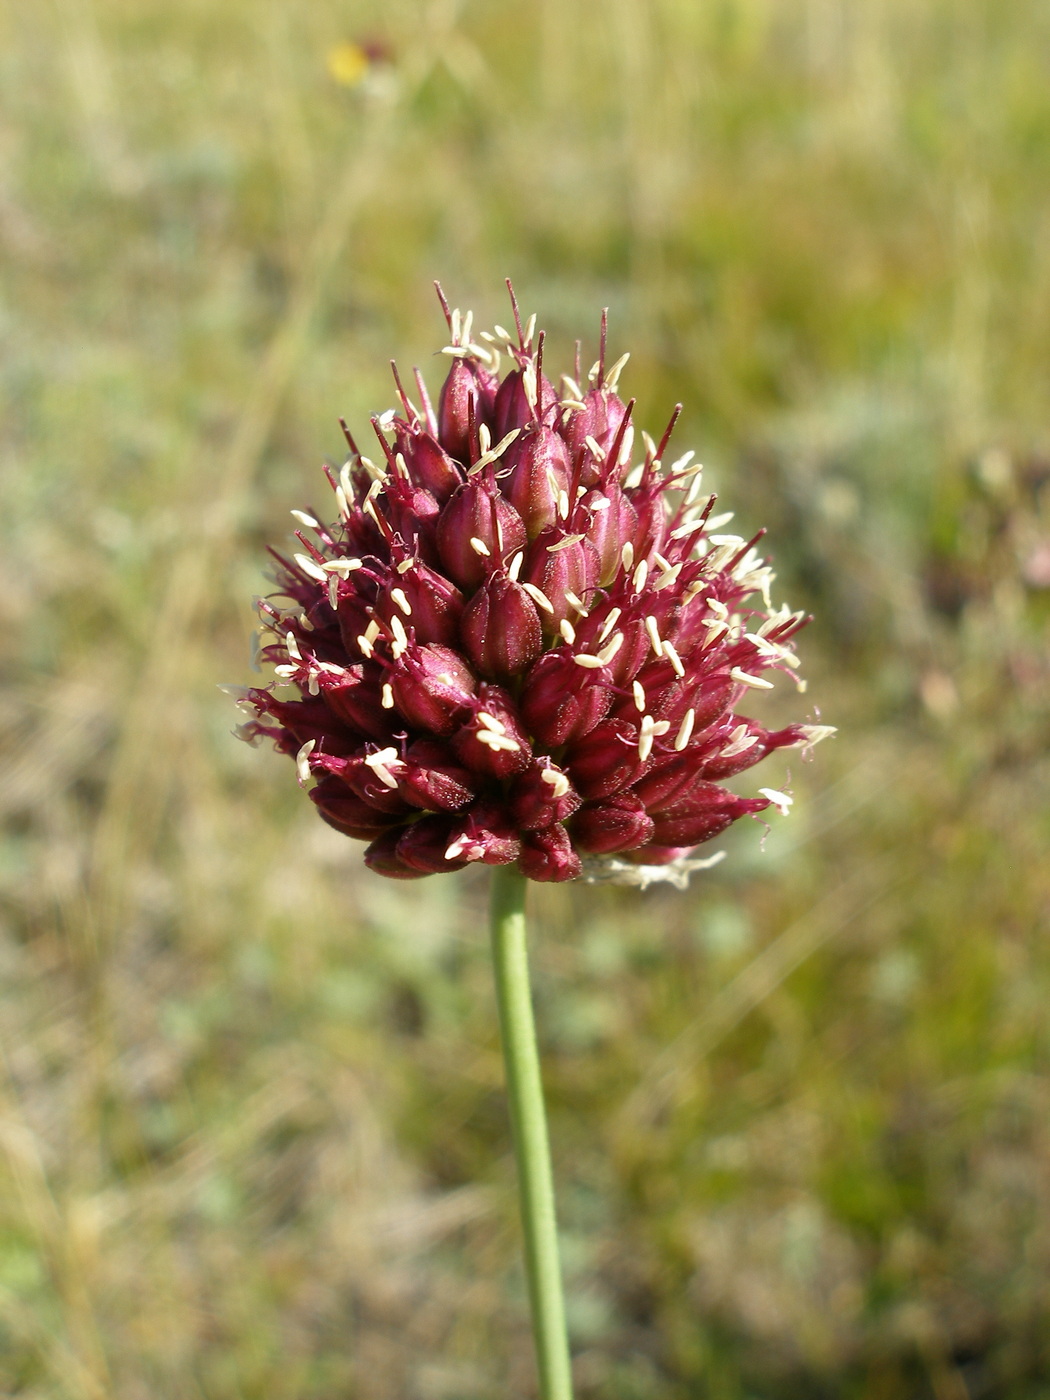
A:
[387, 701]
[491, 722]
[781, 800]
[405, 565]
[717, 521]
[343, 567]
[292, 646]
[333, 591]
[813, 734]
[627, 556]
[563, 505]
[589, 663]
[610, 649]
[400, 597]
[307, 520]
[567, 630]
[515, 566]
[609, 623]
[685, 730]
[499, 743]
[540, 599]
[595, 448]
[480, 547]
[378, 763]
[559, 783]
[640, 575]
[456, 849]
[745, 678]
[372, 630]
[602, 503]
[654, 634]
[613, 375]
[400, 645]
[690, 528]
[484, 438]
[342, 502]
[674, 658]
[640, 701]
[564, 544]
[718, 608]
[650, 730]
[302, 763]
[576, 603]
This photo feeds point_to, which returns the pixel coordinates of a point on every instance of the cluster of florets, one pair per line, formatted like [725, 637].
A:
[515, 644]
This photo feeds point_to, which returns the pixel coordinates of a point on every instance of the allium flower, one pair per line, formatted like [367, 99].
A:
[522, 640]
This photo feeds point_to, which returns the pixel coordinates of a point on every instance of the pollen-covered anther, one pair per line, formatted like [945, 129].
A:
[387, 700]
[302, 761]
[650, 729]
[567, 631]
[640, 702]
[675, 660]
[610, 649]
[380, 765]
[652, 628]
[588, 662]
[558, 782]
[538, 597]
[480, 547]
[400, 597]
[311, 567]
[746, 678]
[782, 801]
[499, 743]
[685, 731]
[400, 643]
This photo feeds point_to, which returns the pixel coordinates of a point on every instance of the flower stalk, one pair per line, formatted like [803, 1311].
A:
[529, 1126]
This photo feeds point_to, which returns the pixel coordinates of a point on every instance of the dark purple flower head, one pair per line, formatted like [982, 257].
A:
[520, 641]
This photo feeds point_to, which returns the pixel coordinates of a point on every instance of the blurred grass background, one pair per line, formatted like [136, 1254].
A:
[252, 1134]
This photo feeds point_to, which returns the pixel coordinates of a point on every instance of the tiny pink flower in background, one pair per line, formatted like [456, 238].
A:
[523, 639]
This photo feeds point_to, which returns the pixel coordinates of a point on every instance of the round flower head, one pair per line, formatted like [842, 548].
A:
[523, 640]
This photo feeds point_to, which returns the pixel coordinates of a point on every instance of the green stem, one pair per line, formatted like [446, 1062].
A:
[529, 1123]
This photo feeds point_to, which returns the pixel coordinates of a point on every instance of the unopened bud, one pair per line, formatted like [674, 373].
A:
[513, 409]
[614, 521]
[430, 686]
[467, 380]
[356, 696]
[429, 464]
[382, 857]
[561, 701]
[476, 530]
[538, 477]
[557, 571]
[430, 777]
[490, 741]
[706, 811]
[424, 844]
[548, 855]
[484, 834]
[347, 812]
[434, 604]
[500, 630]
[604, 760]
[541, 796]
[619, 823]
